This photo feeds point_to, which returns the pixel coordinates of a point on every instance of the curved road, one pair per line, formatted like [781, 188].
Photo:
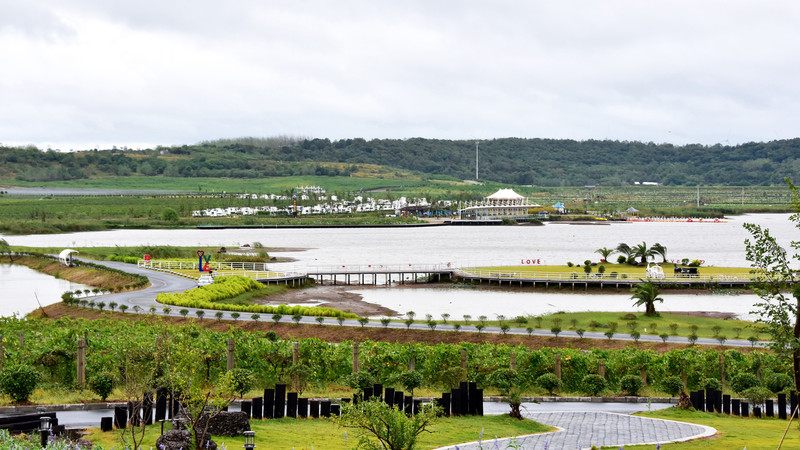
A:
[165, 282]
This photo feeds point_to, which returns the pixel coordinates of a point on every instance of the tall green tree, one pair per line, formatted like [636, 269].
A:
[777, 285]
[646, 294]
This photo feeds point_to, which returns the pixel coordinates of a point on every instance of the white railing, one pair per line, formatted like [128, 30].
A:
[621, 276]
[260, 275]
[380, 268]
[192, 265]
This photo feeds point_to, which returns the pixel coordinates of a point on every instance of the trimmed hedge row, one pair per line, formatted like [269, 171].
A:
[205, 297]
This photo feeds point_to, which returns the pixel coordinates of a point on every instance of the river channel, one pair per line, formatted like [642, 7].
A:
[718, 244]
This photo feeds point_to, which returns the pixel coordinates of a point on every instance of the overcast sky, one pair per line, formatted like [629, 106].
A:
[85, 74]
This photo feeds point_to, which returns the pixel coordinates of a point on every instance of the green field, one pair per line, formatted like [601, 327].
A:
[325, 434]
[733, 432]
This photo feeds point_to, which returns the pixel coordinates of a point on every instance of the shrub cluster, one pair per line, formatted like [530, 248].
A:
[227, 287]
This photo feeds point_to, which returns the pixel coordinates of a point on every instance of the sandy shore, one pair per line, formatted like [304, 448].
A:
[337, 297]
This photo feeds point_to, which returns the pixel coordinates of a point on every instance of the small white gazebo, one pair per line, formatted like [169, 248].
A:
[65, 257]
[505, 203]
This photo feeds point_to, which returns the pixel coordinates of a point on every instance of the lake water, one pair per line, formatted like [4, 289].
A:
[718, 244]
[21, 285]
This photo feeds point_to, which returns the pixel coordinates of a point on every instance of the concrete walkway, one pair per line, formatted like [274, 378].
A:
[582, 430]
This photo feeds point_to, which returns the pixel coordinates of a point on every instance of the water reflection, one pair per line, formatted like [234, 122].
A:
[476, 302]
[21, 285]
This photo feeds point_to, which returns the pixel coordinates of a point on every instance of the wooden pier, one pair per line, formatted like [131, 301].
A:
[381, 274]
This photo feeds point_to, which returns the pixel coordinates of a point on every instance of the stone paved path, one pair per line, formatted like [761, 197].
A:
[581, 430]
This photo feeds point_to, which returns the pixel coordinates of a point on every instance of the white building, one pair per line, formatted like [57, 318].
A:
[504, 203]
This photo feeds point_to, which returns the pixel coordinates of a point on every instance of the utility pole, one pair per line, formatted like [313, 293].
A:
[698, 195]
[476, 160]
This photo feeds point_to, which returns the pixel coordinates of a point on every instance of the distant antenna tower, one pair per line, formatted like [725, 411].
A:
[476, 160]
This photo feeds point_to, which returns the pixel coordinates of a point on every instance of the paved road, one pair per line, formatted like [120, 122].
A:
[165, 282]
[585, 429]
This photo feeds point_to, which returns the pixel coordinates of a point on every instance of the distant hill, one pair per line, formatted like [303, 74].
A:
[542, 162]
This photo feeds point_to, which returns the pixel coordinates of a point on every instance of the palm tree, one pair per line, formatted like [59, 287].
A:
[642, 251]
[646, 294]
[625, 249]
[659, 250]
[605, 252]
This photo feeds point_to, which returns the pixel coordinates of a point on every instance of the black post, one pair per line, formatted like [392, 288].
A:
[445, 403]
[291, 405]
[388, 396]
[335, 410]
[120, 417]
[280, 401]
[417, 405]
[709, 400]
[398, 400]
[745, 409]
[258, 407]
[314, 405]
[480, 401]
[475, 400]
[377, 390]
[736, 407]
[463, 390]
[718, 401]
[757, 412]
[455, 401]
[269, 403]
[302, 407]
[147, 408]
[161, 404]
[726, 404]
[793, 403]
[701, 401]
[367, 393]
[408, 403]
[247, 408]
[356, 398]
[134, 414]
[105, 424]
[770, 407]
[325, 408]
[782, 406]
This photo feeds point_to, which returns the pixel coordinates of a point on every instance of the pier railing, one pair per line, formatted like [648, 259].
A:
[380, 268]
[214, 265]
[610, 277]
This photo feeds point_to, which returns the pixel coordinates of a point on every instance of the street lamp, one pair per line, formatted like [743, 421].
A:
[44, 429]
[249, 440]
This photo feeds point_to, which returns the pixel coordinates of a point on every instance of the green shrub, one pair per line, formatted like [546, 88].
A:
[711, 383]
[549, 382]
[239, 380]
[102, 384]
[621, 259]
[743, 382]
[410, 380]
[778, 382]
[451, 377]
[756, 394]
[631, 384]
[19, 382]
[593, 384]
[360, 380]
[672, 385]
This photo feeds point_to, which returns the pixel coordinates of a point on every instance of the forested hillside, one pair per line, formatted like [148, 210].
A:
[542, 162]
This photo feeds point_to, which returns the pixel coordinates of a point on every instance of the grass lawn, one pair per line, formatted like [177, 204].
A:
[733, 432]
[323, 433]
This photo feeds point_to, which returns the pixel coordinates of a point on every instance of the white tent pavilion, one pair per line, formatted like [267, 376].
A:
[65, 257]
[504, 203]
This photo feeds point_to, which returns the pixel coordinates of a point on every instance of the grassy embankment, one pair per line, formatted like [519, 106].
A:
[324, 433]
[85, 275]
